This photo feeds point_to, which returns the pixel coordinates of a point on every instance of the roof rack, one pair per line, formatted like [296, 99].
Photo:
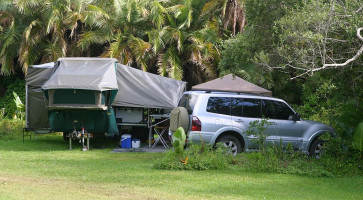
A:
[227, 92]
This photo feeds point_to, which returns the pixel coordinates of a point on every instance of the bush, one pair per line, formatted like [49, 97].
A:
[271, 163]
[340, 159]
[10, 129]
[337, 160]
[197, 157]
[16, 85]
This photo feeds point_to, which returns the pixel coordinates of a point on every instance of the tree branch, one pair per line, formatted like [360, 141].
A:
[355, 57]
[360, 9]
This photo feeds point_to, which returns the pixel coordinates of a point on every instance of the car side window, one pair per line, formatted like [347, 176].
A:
[220, 105]
[282, 110]
[252, 108]
[237, 107]
[268, 109]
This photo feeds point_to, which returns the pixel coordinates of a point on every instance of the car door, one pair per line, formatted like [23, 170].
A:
[282, 128]
[216, 117]
[244, 111]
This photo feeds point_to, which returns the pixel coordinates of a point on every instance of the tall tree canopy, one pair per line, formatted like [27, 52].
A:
[170, 36]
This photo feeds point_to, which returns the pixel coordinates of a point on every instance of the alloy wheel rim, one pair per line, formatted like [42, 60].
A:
[318, 150]
[232, 146]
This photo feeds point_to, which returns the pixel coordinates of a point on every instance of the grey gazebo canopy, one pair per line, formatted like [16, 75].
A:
[230, 83]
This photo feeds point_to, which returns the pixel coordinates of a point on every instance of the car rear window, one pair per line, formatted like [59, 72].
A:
[188, 101]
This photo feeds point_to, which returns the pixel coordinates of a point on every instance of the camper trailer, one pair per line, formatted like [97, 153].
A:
[97, 95]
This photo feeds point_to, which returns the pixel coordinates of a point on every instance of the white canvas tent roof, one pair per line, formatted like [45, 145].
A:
[230, 83]
[84, 73]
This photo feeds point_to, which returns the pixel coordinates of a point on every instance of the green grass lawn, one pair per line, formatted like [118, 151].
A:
[45, 169]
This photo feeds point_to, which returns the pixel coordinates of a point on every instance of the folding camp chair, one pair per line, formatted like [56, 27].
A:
[160, 130]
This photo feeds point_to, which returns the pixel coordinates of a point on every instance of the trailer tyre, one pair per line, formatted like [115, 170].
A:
[65, 136]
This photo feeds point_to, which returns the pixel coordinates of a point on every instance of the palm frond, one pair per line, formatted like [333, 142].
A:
[138, 47]
[175, 70]
[29, 29]
[9, 40]
[29, 54]
[52, 52]
[163, 63]
[180, 40]
[93, 37]
[115, 48]
[26, 5]
[157, 14]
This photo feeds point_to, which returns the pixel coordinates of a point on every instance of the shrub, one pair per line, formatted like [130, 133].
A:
[358, 137]
[337, 160]
[198, 156]
[10, 129]
[7, 102]
[294, 163]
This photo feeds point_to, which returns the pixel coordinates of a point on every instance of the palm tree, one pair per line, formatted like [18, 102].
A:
[39, 31]
[121, 28]
[12, 19]
[230, 12]
[178, 42]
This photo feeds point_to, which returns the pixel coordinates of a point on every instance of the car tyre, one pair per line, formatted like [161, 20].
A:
[316, 149]
[231, 142]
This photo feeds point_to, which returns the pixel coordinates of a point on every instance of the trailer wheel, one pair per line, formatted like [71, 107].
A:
[65, 136]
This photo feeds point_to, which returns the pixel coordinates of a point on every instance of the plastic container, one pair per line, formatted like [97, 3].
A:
[125, 141]
[135, 143]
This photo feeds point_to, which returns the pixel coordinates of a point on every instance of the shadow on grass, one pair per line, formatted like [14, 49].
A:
[54, 142]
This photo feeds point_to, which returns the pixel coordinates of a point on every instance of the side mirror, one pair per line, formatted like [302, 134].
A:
[295, 117]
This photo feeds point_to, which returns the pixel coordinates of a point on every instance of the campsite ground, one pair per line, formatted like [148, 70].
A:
[45, 169]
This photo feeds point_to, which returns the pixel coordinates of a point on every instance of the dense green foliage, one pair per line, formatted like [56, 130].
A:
[286, 44]
[10, 129]
[335, 162]
[11, 84]
[336, 159]
[198, 157]
[165, 36]
[358, 137]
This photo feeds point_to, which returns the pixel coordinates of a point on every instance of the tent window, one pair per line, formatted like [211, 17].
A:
[71, 96]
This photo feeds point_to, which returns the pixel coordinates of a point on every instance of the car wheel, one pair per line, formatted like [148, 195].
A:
[316, 149]
[232, 143]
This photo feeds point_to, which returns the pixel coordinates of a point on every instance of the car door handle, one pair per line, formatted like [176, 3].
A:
[273, 123]
[239, 120]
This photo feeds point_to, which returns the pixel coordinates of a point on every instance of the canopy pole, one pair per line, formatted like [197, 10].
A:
[148, 125]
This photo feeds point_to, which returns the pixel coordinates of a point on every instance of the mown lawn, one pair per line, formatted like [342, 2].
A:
[45, 169]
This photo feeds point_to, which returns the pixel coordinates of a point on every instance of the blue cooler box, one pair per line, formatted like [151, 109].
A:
[125, 141]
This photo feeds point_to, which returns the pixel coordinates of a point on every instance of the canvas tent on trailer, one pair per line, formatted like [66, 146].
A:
[82, 86]
[230, 83]
[79, 94]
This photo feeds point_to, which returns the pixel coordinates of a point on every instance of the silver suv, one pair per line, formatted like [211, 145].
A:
[225, 117]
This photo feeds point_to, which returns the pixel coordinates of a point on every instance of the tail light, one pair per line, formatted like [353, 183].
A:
[196, 124]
